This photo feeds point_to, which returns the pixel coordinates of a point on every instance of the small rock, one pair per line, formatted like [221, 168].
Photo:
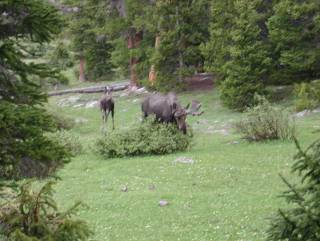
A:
[152, 187]
[78, 105]
[222, 132]
[184, 160]
[80, 120]
[303, 113]
[163, 203]
[73, 99]
[91, 104]
[234, 142]
[316, 110]
[124, 188]
[142, 90]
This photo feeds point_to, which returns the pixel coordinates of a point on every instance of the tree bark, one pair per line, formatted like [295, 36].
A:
[152, 72]
[134, 40]
[82, 77]
[181, 64]
[88, 90]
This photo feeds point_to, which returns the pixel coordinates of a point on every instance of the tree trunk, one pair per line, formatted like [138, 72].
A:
[92, 89]
[133, 72]
[82, 77]
[180, 78]
[152, 72]
[134, 40]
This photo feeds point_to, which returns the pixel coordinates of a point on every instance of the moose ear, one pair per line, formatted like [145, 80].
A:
[187, 106]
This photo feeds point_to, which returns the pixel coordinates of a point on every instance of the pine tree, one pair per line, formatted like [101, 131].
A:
[294, 31]
[89, 39]
[182, 28]
[216, 50]
[23, 120]
[242, 55]
[301, 220]
[132, 39]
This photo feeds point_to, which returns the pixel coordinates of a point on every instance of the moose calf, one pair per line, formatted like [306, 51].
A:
[107, 106]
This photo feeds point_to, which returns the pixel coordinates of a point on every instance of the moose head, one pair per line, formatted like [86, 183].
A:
[167, 108]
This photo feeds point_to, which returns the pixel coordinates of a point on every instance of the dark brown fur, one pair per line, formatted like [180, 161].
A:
[107, 106]
[166, 108]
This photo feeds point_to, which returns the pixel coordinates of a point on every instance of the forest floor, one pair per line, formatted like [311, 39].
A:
[227, 192]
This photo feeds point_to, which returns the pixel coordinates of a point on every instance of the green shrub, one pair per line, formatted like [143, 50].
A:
[266, 122]
[146, 138]
[70, 141]
[307, 95]
[300, 220]
[239, 94]
[62, 122]
[33, 216]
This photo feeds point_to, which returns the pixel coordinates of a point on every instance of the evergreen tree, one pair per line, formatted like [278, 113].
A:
[133, 40]
[89, 39]
[294, 31]
[242, 55]
[23, 119]
[182, 28]
[216, 50]
[301, 220]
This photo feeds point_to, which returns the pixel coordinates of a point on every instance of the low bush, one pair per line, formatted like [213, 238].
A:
[33, 216]
[307, 95]
[266, 122]
[70, 141]
[146, 138]
[62, 122]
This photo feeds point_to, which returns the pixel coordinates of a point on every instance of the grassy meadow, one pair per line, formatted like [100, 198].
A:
[227, 194]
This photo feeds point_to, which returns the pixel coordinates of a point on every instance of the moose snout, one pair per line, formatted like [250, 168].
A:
[183, 128]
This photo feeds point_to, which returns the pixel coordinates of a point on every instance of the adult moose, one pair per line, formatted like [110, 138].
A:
[167, 108]
[107, 106]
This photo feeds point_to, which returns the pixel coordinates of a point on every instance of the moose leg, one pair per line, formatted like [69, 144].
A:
[103, 120]
[144, 116]
[112, 115]
[103, 117]
[106, 118]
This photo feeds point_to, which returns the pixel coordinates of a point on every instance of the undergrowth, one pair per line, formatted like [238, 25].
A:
[146, 138]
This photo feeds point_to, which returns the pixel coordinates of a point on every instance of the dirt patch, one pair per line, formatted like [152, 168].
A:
[201, 81]
[213, 127]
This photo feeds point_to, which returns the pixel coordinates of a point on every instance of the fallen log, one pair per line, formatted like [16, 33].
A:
[92, 89]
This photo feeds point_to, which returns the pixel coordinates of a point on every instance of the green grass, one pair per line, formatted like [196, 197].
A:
[228, 194]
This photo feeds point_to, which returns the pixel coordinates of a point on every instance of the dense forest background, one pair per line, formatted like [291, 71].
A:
[246, 44]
